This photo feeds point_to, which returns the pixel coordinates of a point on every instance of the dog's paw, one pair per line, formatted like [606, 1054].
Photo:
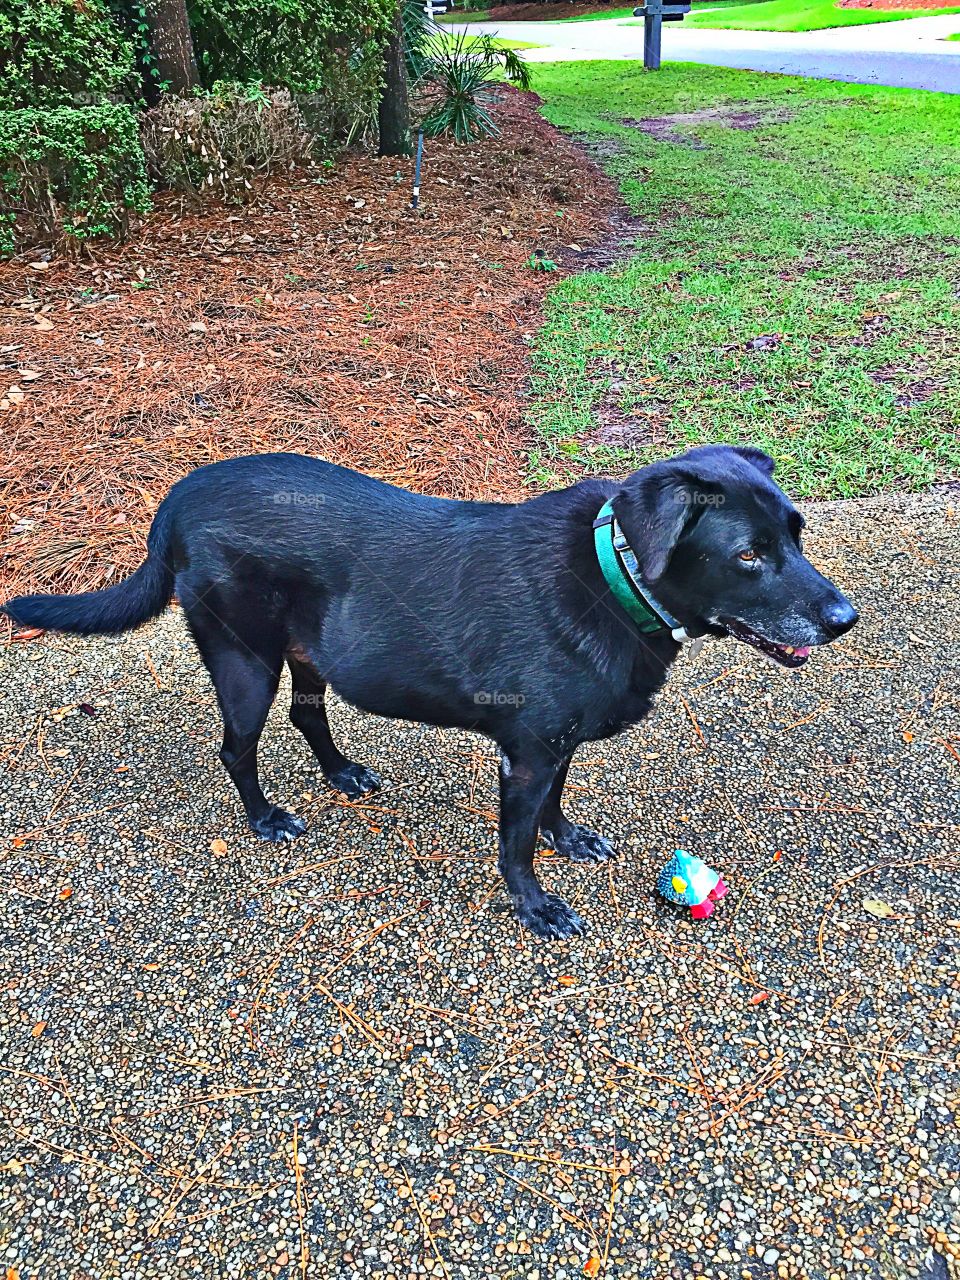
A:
[354, 780]
[580, 844]
[278, 825]
[550, 917]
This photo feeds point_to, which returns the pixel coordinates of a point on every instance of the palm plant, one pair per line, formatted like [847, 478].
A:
[419, 32]
[456, 76]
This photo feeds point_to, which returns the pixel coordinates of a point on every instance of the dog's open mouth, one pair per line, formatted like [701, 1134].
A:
[785, 654]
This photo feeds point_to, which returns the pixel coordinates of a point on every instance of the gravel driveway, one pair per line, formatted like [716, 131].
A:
[228, 1059]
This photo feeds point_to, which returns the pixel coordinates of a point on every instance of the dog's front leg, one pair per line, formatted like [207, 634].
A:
[525, 782]
[575, 842]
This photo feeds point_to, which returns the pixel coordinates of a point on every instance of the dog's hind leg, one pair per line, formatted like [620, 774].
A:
[525, 782]
[309, 715]
[245, 669]
[575, 842]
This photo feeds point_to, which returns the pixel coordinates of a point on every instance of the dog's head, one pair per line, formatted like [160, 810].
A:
[719, 543]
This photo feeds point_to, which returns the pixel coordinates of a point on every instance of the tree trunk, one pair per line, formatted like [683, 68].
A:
[393, 116]
[172, 45]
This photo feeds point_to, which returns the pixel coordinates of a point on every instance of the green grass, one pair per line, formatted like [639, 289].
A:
[833, 229]
[494, 40]
[601, 15]
[754, 15]
[628, 13]
[802, 15]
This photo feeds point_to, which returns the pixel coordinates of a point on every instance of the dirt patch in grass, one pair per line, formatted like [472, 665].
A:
[910, 388]
[616, 245]
[665, 128]
[329, 319]
[605, 148]
[872, 330]
[641, 427]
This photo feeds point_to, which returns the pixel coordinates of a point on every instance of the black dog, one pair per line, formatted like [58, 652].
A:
[532, 623]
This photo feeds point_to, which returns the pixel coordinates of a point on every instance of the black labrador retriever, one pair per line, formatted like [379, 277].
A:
[542, 624]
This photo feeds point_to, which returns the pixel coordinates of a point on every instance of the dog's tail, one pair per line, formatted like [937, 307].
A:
[129, 604]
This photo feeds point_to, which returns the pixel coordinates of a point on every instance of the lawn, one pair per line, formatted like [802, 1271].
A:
[628, 13]
[745, 15]
[451, 40]
[801, 15]
[542, 14]
[601, 15]
[798, 289]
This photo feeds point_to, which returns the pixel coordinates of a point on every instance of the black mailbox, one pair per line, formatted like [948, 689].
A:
[667, 12]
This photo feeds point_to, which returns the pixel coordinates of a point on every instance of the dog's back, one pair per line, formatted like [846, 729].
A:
[273, 513]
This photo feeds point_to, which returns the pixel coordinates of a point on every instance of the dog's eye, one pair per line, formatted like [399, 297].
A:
[748, 557]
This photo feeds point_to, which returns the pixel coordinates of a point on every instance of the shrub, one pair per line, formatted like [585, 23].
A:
[62, 53]
[289, 43]
[328, 53]
[224, 142]
[69, 174]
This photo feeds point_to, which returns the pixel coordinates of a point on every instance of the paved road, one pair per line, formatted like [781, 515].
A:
[913, 54]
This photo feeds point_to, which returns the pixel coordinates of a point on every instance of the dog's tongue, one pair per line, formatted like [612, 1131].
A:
[803, 652]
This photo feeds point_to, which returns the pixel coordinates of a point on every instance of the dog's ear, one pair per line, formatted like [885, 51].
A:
[653, 509]
[762, 461]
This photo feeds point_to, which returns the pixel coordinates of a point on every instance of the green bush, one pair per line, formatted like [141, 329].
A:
[327, 52]
[62, 53]
[224, 142]
[285, 42]
[69, 174]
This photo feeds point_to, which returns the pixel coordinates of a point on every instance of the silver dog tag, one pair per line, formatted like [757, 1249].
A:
[691, 647]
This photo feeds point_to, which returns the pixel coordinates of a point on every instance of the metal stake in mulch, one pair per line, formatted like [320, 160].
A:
[415, 198]
[432, 9]
[654, 13]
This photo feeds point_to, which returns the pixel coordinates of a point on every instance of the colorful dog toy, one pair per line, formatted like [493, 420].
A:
[687, 881]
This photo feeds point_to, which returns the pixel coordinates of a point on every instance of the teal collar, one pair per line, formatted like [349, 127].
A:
[622, 573]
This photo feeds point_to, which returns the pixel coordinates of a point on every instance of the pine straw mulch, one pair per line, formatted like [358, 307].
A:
[328, 318]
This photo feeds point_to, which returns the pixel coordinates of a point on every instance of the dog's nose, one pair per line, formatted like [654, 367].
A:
[839, 616]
